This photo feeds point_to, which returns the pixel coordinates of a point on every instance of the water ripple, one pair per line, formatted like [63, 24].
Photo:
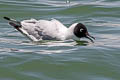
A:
[21, 59]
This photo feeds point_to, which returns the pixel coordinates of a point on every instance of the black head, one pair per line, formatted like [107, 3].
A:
[81, 31]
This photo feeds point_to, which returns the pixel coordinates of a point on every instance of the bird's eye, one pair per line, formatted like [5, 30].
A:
[81, 30]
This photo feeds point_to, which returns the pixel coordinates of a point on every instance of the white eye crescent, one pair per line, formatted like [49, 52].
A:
[81, 30]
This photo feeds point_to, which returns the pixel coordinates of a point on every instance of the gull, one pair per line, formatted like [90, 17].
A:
[37, 30]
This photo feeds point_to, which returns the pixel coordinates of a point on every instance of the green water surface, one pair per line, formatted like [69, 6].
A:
[21, 59]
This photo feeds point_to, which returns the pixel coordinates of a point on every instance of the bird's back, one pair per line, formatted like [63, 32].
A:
[44, 29]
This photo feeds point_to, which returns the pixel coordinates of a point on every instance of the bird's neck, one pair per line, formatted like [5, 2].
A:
[70, 32]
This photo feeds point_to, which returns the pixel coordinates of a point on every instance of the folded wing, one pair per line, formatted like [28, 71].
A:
[43, 29]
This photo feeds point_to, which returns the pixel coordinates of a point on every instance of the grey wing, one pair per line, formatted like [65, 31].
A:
[46, 30]
[29, 29]
[51, 30]
[39, 30]
[43, 36]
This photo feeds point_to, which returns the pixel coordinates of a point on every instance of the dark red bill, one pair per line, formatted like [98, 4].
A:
[88, 36]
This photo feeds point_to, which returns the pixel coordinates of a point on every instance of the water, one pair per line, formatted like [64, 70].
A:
[21, 59]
